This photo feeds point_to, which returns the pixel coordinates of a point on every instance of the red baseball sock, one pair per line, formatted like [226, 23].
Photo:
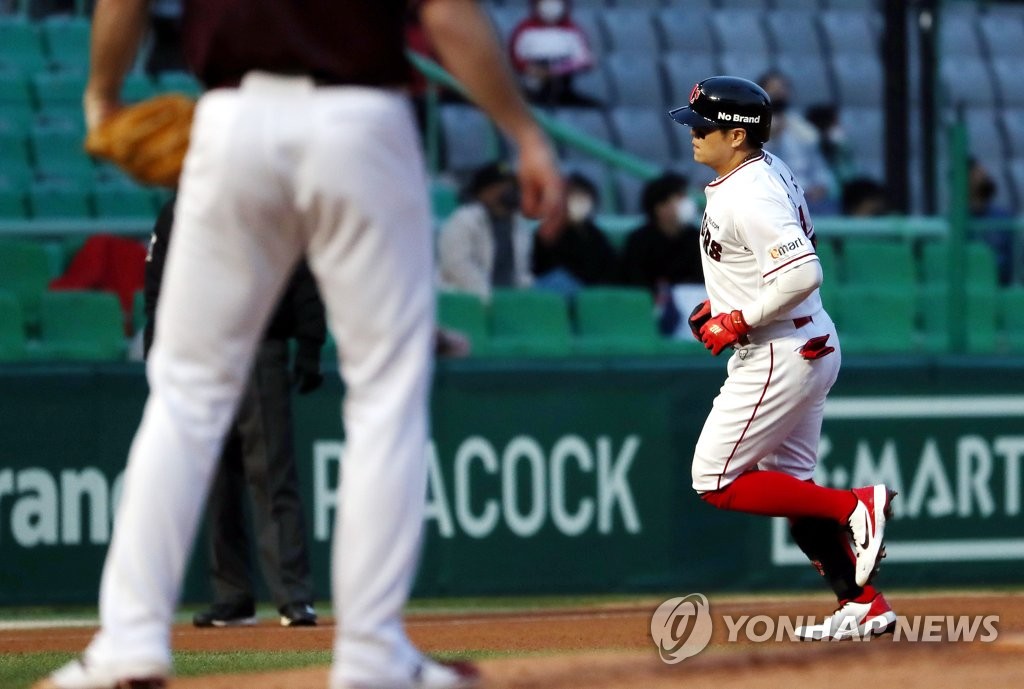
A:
[775, 494]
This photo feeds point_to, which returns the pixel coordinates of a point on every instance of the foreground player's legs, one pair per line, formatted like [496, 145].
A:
[229, 258]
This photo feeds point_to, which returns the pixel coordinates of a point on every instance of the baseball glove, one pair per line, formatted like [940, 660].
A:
[700, 315]
[147, 140]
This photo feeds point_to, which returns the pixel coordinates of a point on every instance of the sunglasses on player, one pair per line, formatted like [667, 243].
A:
[701, 132]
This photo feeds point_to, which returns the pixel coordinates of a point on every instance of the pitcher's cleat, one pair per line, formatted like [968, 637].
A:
[79, 675]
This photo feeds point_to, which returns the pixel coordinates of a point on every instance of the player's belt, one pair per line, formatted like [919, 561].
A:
[775, 329]
[802, 321]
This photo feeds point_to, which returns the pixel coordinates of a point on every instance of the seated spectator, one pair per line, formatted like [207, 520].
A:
[832, 140]
[547, 49]
[485, 243]
[981, 194]
[578, 253]
[864, 197]
[665, 250]
[796, 141]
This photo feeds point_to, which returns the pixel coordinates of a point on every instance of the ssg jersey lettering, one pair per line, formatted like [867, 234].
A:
[755, 225]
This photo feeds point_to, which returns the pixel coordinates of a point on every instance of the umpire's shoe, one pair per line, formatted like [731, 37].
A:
[80, 675]
[227, 615]
[867, 525]
[298, 615]
[432, 674]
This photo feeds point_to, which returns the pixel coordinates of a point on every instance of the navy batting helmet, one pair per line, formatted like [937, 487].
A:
[728, 103]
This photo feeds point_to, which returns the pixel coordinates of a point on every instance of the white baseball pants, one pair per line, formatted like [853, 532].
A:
[769, 411]
[276, 168]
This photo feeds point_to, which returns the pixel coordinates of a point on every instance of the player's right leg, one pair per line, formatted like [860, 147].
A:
[232, 249]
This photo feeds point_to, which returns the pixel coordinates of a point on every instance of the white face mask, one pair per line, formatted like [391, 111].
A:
[550, 10]
[578, 207]
[686, 211]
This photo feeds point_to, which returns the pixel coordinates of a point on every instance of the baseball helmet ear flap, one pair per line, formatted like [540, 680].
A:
[726, 103]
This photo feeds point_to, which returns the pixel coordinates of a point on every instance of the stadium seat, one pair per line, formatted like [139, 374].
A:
[444, 198]
[58, 200]
[1003, 33]
[590, 121]
[595, 84]
[1013, 125]
[467, 314]
[978, 319]
[81, 325]
[629, 189]
[957, 73]
[614, 320]
[470, 139]
[984, 135]
[686, 30]
[12, 332]
[741, 32]
[12, 204]
[642, 132]
[859, 79]
[117, 201]
[878, 263]
[636, 79]
[865, 132]
[15, 92]
[850, 32]
[958, 38]
[180, 82]
[809, 76]
[860, 309]
[980, 265]
[746, 65]
[22, 45]
[631, 30]
[529, 323]
[587, 19]
[794, 32]
[759, 5]
[682, 71]
[137, 87]
[25, 272]
[62, 120]
[62, 88]
[67, 40]
[13, 151]
[1009, 81]
[1011, 318]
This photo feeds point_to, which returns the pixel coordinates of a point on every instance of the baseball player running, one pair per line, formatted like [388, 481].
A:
[758, 448]
[303, 143]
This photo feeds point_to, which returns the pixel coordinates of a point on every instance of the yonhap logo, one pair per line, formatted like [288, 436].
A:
[681, 627]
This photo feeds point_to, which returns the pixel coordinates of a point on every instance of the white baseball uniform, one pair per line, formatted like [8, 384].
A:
[276, 168]
[756, 235]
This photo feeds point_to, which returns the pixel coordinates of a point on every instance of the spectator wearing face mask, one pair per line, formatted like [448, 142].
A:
[665, 250]
[485, 243]
[797, 141]
[579, 254]
[547, 50]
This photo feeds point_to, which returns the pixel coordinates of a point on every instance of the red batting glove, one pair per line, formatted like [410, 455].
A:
[700, 315]
[723, 330]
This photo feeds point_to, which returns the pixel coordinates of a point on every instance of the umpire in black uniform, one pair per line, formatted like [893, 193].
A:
[259, 454]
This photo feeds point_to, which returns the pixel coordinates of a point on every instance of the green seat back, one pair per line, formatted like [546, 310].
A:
[58, 201]
[12, 330]
[59, 89]
[529, 323]
[117, 201]
[1011, 317]
[60, 154]
[878, 263]
[81, 325]
[875, 319]
[67, 41]
[614, 320]
[22, 45]
[24, 271]
[467, 314]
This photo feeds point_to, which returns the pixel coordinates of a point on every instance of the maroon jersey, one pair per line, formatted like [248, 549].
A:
[333, 41]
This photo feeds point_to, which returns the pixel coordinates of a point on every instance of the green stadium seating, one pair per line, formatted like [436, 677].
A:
[60, 154]
[443, 198]
[24, 271]
[878, 263]
[137, 87]
[467, 314]
[614, 320]
[14, 91]
[12, 204]
[861, 309]
[22, 45]
[12, 331]
[1011, 317]
[67, 41]
[52, 201]
[979, 318]
[60, 119]
[529, 323]
[980, 265]
[81, 325]
[181, 82]
[118, 201]
[58, 89]
[827, 256]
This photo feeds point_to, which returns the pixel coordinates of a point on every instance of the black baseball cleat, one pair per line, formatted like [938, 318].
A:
[298, 615]
[226, 615]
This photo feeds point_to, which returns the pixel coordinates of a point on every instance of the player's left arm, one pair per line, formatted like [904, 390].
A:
[117, 30]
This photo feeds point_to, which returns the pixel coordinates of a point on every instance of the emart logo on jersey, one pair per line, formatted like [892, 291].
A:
[786, 248]
[682, 627]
